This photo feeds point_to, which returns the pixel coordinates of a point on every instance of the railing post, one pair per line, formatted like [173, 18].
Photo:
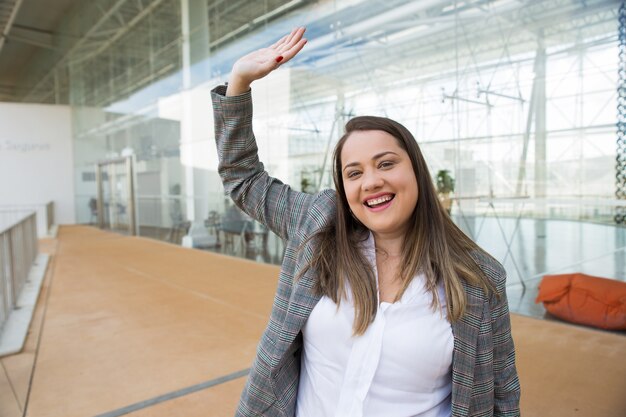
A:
[18, 252]
[25, 258]
[11, 269]
[100, 192]
[50, 214]
[4, 285]
[33, 236]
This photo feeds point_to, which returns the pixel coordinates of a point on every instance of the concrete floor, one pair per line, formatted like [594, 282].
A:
[133, 326]
[123, 320]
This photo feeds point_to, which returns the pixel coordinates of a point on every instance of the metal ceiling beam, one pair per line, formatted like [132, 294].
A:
[83, 39]
[256, 22]
[121, 32]
[7, 27]
[32, 36]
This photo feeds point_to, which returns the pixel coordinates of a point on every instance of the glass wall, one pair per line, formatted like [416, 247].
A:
[516, 100]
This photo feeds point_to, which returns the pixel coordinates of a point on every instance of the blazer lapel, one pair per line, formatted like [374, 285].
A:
[464, 357]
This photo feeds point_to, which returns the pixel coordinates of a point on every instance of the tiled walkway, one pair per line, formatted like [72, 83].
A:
[132, 326]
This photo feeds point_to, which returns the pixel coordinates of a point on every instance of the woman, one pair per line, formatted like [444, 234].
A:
[383, 306]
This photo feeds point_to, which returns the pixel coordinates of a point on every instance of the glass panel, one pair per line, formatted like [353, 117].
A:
[484, 87]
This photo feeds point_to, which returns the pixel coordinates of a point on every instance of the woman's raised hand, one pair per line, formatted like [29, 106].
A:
[259, 63]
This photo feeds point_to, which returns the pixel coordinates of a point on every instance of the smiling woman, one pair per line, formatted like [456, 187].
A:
[379, 183]
[384, 189]
[383, 307]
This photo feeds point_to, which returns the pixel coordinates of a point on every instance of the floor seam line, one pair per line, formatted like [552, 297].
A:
[17, 400]
[175, 394]
[186, 289]
[52, 267]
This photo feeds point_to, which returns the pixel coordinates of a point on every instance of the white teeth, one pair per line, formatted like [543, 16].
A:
[379, 200]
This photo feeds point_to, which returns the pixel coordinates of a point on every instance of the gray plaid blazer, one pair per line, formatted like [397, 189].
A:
[484, 378]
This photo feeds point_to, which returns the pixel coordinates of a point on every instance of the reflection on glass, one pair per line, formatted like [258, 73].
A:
[461, 77]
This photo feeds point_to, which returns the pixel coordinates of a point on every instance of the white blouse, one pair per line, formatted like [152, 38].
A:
[401, 366]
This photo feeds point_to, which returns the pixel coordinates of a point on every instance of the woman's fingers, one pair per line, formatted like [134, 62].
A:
[261, 62]
[293, 51]
[283, 40]
[288, 46]
[294, 37]
[288, 40]
[294, 33]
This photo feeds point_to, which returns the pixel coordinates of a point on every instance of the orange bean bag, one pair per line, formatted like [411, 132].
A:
[584, 299]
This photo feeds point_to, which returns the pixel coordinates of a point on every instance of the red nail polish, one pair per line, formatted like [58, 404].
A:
[279, 58]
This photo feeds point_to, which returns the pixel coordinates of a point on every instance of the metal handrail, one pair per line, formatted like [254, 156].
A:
[18, 251]
[45, 215]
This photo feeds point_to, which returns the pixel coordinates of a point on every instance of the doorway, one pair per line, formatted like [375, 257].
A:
[116, 195]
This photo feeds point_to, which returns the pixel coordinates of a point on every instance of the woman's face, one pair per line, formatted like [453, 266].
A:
[379, 182]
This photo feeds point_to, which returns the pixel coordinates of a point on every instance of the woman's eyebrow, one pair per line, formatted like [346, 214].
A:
[380, 155]
[375, 157]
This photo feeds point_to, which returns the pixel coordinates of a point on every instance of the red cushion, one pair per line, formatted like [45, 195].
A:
[584, 299]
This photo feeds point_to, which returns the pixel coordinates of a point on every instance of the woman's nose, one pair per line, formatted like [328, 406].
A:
[371, 181]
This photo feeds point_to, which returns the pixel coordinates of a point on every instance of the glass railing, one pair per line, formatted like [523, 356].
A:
[12, 213]
[600, 210]
[18, 250]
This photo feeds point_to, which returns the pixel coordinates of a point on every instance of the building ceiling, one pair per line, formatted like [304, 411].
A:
[37, 49]
[41, 38]
[27, 26]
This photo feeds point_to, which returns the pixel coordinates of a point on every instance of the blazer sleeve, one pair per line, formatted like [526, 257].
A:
[506, 382]
[262, 197]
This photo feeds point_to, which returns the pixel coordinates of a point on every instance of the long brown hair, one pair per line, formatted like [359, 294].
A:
[434, 245]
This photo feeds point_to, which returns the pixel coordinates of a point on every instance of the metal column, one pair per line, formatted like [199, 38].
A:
[620, 166]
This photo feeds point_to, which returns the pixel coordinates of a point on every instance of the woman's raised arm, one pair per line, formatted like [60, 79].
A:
[262, 197]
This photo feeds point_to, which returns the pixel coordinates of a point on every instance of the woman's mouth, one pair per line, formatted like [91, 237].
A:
[380, 202]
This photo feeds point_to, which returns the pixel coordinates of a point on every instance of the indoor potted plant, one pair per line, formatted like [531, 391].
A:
[445, 186]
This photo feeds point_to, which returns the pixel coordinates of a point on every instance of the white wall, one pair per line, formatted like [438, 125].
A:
[36, 162]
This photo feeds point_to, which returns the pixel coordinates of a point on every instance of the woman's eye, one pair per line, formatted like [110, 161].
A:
[385, 164]
[353, 174]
